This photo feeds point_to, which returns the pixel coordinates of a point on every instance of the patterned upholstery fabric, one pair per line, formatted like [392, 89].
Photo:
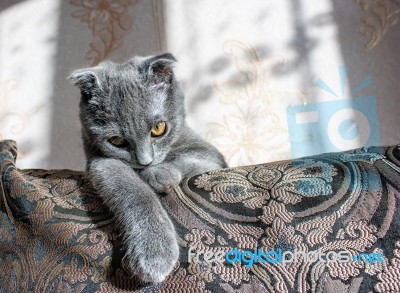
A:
[56, 235]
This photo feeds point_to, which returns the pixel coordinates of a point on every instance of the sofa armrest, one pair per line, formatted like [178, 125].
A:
[316, 224]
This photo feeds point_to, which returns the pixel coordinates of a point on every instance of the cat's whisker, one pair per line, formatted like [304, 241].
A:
[94, 143]
[79, 165]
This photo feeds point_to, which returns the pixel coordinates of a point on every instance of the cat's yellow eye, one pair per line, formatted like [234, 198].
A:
[118, 141]
[158, 129]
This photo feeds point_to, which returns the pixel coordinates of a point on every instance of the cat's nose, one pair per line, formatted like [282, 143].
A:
[144, 160]
[144, 154]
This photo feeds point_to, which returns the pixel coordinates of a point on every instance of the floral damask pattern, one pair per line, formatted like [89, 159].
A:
[301, 205]
[108, 21]
[251, 129]
[379, 16]
[5, 88]
[254, 186]
[389, 278]
[13, 122]
[56, 236]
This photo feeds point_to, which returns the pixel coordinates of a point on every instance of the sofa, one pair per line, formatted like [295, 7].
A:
[325, 223]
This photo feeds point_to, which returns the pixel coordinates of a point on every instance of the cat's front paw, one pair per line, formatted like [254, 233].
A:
[162, 178]
[153, 257]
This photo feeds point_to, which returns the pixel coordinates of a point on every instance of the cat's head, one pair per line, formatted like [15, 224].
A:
[132, 111]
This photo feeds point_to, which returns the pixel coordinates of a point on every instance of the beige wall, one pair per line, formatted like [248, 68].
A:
[241, 63]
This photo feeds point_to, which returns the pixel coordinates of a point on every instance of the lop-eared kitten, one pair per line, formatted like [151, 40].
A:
[137, 144]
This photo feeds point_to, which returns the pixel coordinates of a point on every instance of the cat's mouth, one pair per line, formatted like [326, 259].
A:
[138, 167]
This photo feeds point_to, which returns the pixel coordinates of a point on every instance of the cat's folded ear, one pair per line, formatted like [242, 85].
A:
[87, 81]
[160, 68]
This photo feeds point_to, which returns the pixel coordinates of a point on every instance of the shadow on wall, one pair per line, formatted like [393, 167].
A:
[370, 44]
[4, 4]
[65, 108]
[246, 86]
[82, 42]
[144, 21]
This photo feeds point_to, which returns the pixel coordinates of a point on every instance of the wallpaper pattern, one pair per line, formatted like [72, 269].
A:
[108, 22]
[379, 16]
[240, 64]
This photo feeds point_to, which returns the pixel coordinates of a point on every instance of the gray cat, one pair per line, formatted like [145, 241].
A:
[137, 144]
